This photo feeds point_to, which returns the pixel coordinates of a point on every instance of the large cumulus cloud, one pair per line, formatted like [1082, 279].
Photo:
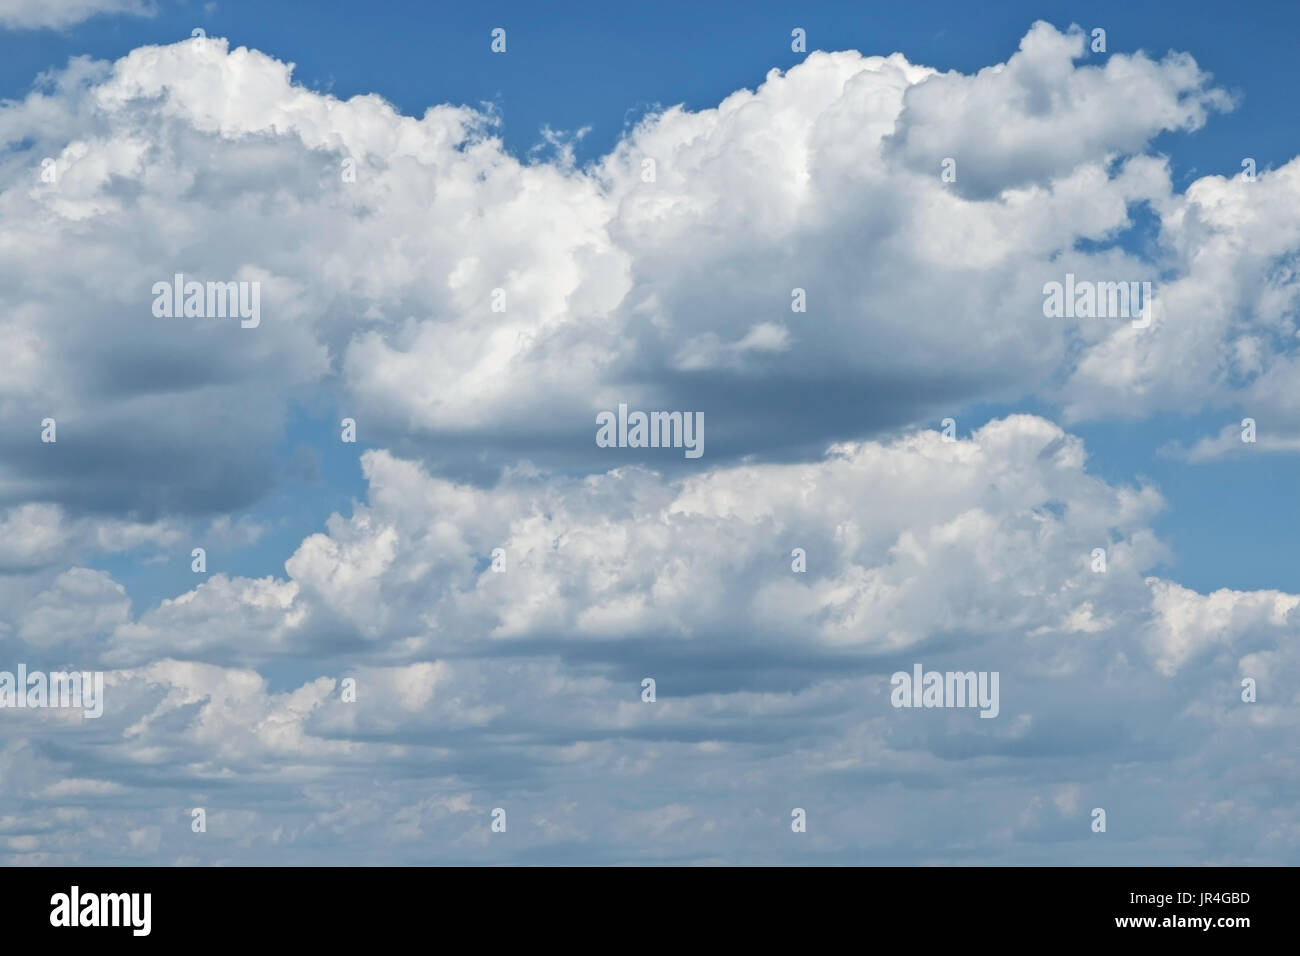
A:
[378, 294]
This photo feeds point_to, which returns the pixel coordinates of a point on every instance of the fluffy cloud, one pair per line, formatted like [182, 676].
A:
[902, 541]
[39, 534]
[378, 294]
[1041, 115]
[474, 689]
[478, 689]
[57, 14]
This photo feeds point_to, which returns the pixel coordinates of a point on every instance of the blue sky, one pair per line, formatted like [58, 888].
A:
[328, 558]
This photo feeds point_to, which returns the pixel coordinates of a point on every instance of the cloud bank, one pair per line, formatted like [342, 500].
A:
[473, 313]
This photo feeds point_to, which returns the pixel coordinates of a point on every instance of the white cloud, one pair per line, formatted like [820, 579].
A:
[1228, 443]
[991, 536]
[478, 689]
[37, 535]
[378, 294]
[58, 14]
[1048, 110]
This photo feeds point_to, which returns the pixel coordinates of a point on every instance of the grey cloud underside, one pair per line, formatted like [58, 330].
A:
[521, 689]
[922, 296]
